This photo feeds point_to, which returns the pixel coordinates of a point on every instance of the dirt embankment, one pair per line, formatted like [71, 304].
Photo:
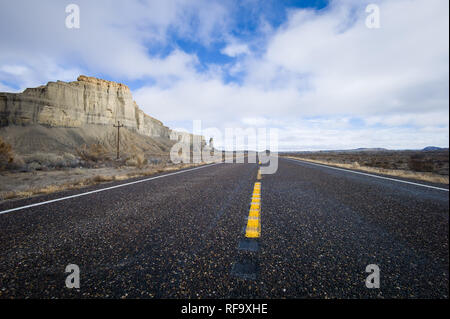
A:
[39, 147]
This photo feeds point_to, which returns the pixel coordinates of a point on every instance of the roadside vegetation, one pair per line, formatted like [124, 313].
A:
[26, 184]
[45, 172]
[432, 166]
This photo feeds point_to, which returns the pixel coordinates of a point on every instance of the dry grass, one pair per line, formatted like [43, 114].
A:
[436, 162]
[19, 194]
[423, 176]
[136, 159]
[153, 170]
[93, 153]
[49, 189]
[97, 179]
[103, 178]
[40, 160]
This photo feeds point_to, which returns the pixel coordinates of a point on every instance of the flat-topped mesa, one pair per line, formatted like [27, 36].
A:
[101, 82]
[73, 104]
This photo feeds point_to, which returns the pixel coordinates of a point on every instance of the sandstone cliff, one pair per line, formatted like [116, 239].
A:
[57, 119]
[75, 104]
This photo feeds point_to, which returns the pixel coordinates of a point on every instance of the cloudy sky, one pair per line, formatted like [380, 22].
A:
[312, 69]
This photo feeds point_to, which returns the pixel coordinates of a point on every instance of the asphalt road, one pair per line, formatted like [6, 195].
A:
[180, 236]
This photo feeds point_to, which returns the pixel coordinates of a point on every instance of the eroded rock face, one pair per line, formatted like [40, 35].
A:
[73, 104]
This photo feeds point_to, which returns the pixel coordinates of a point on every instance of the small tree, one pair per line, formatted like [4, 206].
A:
[6, 154]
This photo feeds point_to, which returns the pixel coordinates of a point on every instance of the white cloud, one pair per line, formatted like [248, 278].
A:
[111, 40]
[235, 49]
[328, 64]
[17, 70]
[400, 67]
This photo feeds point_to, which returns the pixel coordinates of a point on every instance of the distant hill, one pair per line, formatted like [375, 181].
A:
[361, 149]
[432, 148]
[365, 149]
[355, 150]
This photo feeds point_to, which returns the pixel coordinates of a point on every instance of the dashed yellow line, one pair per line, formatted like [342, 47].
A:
[253, 229]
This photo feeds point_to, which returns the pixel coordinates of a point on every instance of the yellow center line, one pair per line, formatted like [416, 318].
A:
[254, 214]
[253, 223]
[253, 229]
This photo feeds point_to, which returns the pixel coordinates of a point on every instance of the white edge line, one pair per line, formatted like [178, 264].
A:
[105, 189]
[366, 174]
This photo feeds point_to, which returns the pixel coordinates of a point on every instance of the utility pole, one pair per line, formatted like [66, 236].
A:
[118, 136]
